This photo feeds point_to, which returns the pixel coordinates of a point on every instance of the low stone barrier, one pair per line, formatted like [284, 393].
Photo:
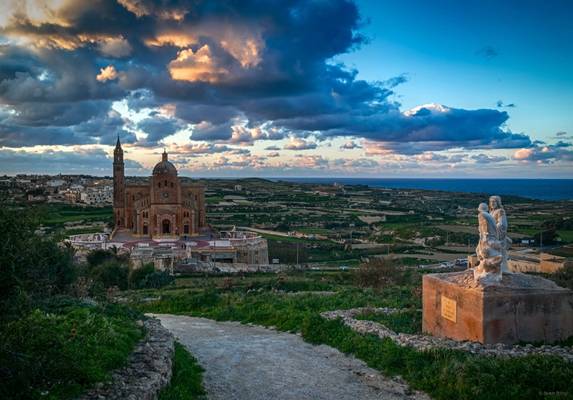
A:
[147, 372]
[425, 342]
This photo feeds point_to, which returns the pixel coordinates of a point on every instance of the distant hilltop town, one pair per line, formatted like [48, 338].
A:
[69, 189]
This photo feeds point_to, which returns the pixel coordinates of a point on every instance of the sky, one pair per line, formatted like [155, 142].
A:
[293, 88]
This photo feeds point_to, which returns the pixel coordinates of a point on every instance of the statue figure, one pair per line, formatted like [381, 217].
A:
[498, 213]
[489, 248]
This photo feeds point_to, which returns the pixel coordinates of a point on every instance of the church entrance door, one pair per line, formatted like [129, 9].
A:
[166, 227]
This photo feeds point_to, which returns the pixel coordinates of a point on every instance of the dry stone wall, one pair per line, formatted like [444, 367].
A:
[147, 372]
[426, 342]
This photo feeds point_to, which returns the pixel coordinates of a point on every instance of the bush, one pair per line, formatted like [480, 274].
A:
[110, 274]
[147, 278]
[564, 277]
[56, 351]
[380, 273]
[157, 280]
[137, 275]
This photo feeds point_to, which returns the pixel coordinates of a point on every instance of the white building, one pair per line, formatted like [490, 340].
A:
[101, 195]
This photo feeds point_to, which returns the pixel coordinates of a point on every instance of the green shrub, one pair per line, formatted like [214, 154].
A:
[147, 277]
[186, 382]
[99, 256]
[137, 275]
[156, 280]
[57, 351]
[110, 274]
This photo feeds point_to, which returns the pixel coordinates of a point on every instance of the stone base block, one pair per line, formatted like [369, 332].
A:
[522, 308]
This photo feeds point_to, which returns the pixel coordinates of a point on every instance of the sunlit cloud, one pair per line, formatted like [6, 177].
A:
[107, 74]
[197, 65]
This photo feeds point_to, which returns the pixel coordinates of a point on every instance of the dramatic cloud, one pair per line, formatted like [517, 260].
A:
[158, 128]
[219, 74]
[79, 161]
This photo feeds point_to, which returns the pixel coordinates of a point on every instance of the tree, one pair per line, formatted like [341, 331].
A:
[30, 265]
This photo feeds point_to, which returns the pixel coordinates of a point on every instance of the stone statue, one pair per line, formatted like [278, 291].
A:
[489, 249]
[498, 213]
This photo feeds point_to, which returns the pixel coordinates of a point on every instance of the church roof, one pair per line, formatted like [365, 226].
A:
[164, 167]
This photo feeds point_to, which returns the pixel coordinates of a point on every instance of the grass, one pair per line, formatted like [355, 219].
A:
[442, 374]
[186, 382]
[59, 214]
[446, 374]
[566, 236]
[64, 347]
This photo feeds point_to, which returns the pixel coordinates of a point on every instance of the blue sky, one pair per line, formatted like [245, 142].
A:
[288, 88]
[440, 46]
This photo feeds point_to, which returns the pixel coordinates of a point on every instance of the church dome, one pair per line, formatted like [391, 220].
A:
[164, 167]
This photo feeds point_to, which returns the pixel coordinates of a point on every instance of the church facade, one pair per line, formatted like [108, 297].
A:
[162, 208]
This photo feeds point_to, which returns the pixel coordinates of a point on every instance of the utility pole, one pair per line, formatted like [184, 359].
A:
[297, 254]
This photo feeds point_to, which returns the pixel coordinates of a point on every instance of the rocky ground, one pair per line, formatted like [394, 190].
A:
[246, 362]
[427, 342]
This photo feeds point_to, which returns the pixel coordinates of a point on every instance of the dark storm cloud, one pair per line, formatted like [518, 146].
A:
[216, 64]
[210, 132]
[157, 128]
[22, 136]
[79, 161]
[101, 128]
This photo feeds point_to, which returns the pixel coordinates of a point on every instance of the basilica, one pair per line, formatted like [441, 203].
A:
[163, 208]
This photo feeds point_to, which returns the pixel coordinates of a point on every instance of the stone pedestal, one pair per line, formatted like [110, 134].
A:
[522, 308]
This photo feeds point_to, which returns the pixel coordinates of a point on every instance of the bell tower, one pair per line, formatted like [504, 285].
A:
[118, 186]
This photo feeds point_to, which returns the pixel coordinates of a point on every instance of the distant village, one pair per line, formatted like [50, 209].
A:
[67, 189]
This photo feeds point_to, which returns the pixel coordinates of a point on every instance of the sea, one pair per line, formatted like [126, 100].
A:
[539, 189]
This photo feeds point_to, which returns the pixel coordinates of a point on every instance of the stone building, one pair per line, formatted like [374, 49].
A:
[162, 208]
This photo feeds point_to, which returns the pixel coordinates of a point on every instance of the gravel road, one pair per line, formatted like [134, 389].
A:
[247, 362]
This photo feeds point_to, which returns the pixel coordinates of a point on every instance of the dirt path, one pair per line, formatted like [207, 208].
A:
[246, 362]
